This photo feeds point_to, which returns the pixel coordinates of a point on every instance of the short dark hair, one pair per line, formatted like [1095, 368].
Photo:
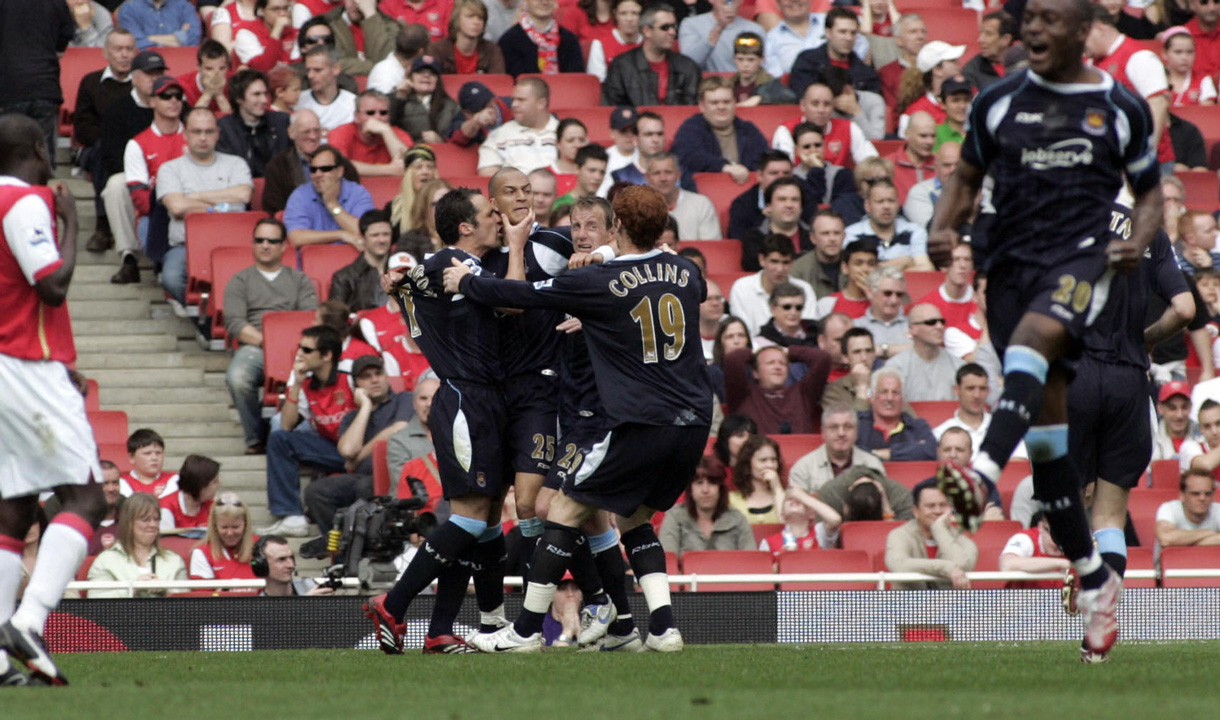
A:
[852, 333]
[592, 151]
[275, 222]
[334, 151]
[413, 38]
[826, 213]
[693, 253]
[671, 223]
[453, 209]
[197, 473]
[241, 82]
[785, 289]
[1103, 16]
[732, 424]
[329, 340]
[786, 181]
[1008, 26]
[1191, 472]
[1208, 405]
[335, 314]
[771, 156]
[805, 127]
[142, 438]
[774, 242]
[863, 502]
[923, 485]
[970, 369]
[862, 245]
[372, 217]
[879, 183]
[648, 115]
[210, 50]
[20, 138]
[308, 25]
[840, 13]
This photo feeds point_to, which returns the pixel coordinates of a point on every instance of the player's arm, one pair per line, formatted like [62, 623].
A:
[955, 206]
[1172, 321]
[52, 288]
[1144, 174]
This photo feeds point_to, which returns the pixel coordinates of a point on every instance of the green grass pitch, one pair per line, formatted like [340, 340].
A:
[1029, 681]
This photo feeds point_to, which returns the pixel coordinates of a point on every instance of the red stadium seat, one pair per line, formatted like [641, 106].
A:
[474, 182]
[82, 572]
[935, 411]
[1014, 472]
[762, 531]
[256, 200]
[115, 453]
[595, 118]
[454, 160]
[672, 568]
[180, 60]
[109, 426]
[501, 85]
[996, 532]
[795, 447]
[179, 544]
[767, 117]
[910, 473]
[956, 26]
[920, 283]
[76, 63]
[383, 188]
[321, 261]
[1189, 557]
[281, 332]
[988, 561]
[826, 561]
[729, 562]
[726, 280]
[1202, 189]
[362, 83]
[1207, 120]
[93, 400]
[206, 232]
[1139, 558]
[571, 90]
[672, 115]
[381, 468]
[1166, 474]
[723, 256]
[868, 536]
[722, 190]
[1142, 505]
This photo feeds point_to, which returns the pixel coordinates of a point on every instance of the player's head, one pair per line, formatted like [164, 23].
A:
[642, 213]
[511, 193]
[319, 348]
[971, 388]
[23, 149]
[1209, 422]
[887, 394]
[758, 455]
[1054, 33]
[457, 215]
[199, 477]
[955, 445]
[707, 493]
[229, 527]
[592, 223]
[1198, 490]
[839, 429]
[146, 450]
[140, 523]
[930, 505]
[863, 500]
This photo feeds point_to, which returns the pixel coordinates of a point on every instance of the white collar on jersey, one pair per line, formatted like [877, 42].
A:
[640, 256]
[1106, 83]
[10, 180]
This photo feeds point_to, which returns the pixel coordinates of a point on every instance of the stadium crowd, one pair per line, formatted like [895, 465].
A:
[801, 147]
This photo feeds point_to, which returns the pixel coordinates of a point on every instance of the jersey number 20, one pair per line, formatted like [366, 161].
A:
[672, 319]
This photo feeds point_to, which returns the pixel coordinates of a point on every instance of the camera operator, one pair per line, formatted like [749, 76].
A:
[281, 567]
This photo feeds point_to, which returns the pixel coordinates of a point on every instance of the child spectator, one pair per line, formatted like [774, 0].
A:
[198, 481]
[146, 450]
[226, 551]
[750, 76]
[801, 532]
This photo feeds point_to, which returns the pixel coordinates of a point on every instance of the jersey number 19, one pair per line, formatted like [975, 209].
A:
[672, 321]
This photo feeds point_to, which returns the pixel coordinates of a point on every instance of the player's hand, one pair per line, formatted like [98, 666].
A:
[569, 326]
[454, 275]
[65, 205]
[940, 246]
[361, 396]
[1125, 255]
[960, 581]
[579, 260]
[78, 381]
[516, 234]
[389, 282]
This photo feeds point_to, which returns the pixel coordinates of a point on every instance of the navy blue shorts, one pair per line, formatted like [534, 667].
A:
[533, 405]
[467, 423]
[637, 465]
[574, 439]
[1073, 292]
[1109, 427]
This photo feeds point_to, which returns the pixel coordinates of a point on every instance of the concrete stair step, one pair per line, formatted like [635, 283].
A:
[162, 413]
[130, 361]
[167, 381]
[229, 462]
[89, 291]
[101, 270]
[215, 379]
[126, 346]
[126, 396]
[169, 327]
[212, 363]
[130, 309]
[221, 430]
[210, 446]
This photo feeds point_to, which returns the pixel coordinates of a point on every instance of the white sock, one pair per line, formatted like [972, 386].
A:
[538, 597]
[60, 554]
[656, 590]
[494, 617]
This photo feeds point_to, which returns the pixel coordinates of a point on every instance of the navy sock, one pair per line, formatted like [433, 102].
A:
[647, 557]
[450, 592]
[551, 560]
[488, 558]
[1117, 563]
[1024, 383]
[1057, 493]
[444, 546]
[1112, 544]
[613, 573]
[584, 572]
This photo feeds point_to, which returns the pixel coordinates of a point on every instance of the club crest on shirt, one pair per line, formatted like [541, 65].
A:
[834, 147]
[1094, 122]
[481, 480]
[339, 397]
[38, 236]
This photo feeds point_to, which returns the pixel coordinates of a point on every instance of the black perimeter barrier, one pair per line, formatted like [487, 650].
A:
[258, 623]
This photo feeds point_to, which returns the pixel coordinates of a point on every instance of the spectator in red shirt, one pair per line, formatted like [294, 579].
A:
[268, 41]
[372, 144]
[920, 91]
[1034, 551]
[858, 261]
[205, 86]
[227, 549]
[432, 14]
[198, 483]
[911, 36]
[915, 162]
[1205, 28]
[465, 50]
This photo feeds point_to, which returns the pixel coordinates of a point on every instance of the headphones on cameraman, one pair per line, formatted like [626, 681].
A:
[258, 558]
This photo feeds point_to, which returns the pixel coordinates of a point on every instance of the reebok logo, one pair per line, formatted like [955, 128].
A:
[1025, 118]
[1063, 154]
[649, 546]
[556, 551]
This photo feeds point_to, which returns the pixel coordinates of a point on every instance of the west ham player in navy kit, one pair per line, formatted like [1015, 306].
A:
[1058, 140]
[637, 313]
[45, 439]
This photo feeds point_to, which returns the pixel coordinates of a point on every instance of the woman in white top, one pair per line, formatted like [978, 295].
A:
[137, 555]
[625, 36]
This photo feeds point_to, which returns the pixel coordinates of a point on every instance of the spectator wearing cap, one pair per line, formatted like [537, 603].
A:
[622, 36]
[997, 33]
[389, 74]
[465, 50]
[528, 141]
[363, 35]
[163, 141]
[750, 296]
[914, 162]
[333, 105]
[840, 49]
[752, 85]
[161, 23]
[902, 244]
[774, 404]
[716, 140]
[358, 285]
[710, 38]
[290, 169]
[956, 95]
[374, 146]
[328, 208]
[421, 106]
[857, 262]
[653, 74]
[538, 44]
[1175, 427]
[480, 113]
[935, 64]
[800, 30]
[254, 132]
[624, 150]
[910, 35]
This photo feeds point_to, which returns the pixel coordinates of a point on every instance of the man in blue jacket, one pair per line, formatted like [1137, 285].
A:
[717, 140]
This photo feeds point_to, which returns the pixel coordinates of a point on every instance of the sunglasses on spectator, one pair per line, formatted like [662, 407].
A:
[371, 113]
[321, 168]
[669, 27]
[317, 39]
[792, 306]
[273, 241]
[171, 96]
[891, 293]
[930, 322]
[307, 350]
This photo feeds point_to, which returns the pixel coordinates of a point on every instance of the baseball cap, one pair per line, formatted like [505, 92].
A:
[474, 96]
[400, 262]
[623, 117]
[955, 85]
[166, 82]
[426, 61]
[149, 61]
[364, 362]
[936, 52]
[1169, 389]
